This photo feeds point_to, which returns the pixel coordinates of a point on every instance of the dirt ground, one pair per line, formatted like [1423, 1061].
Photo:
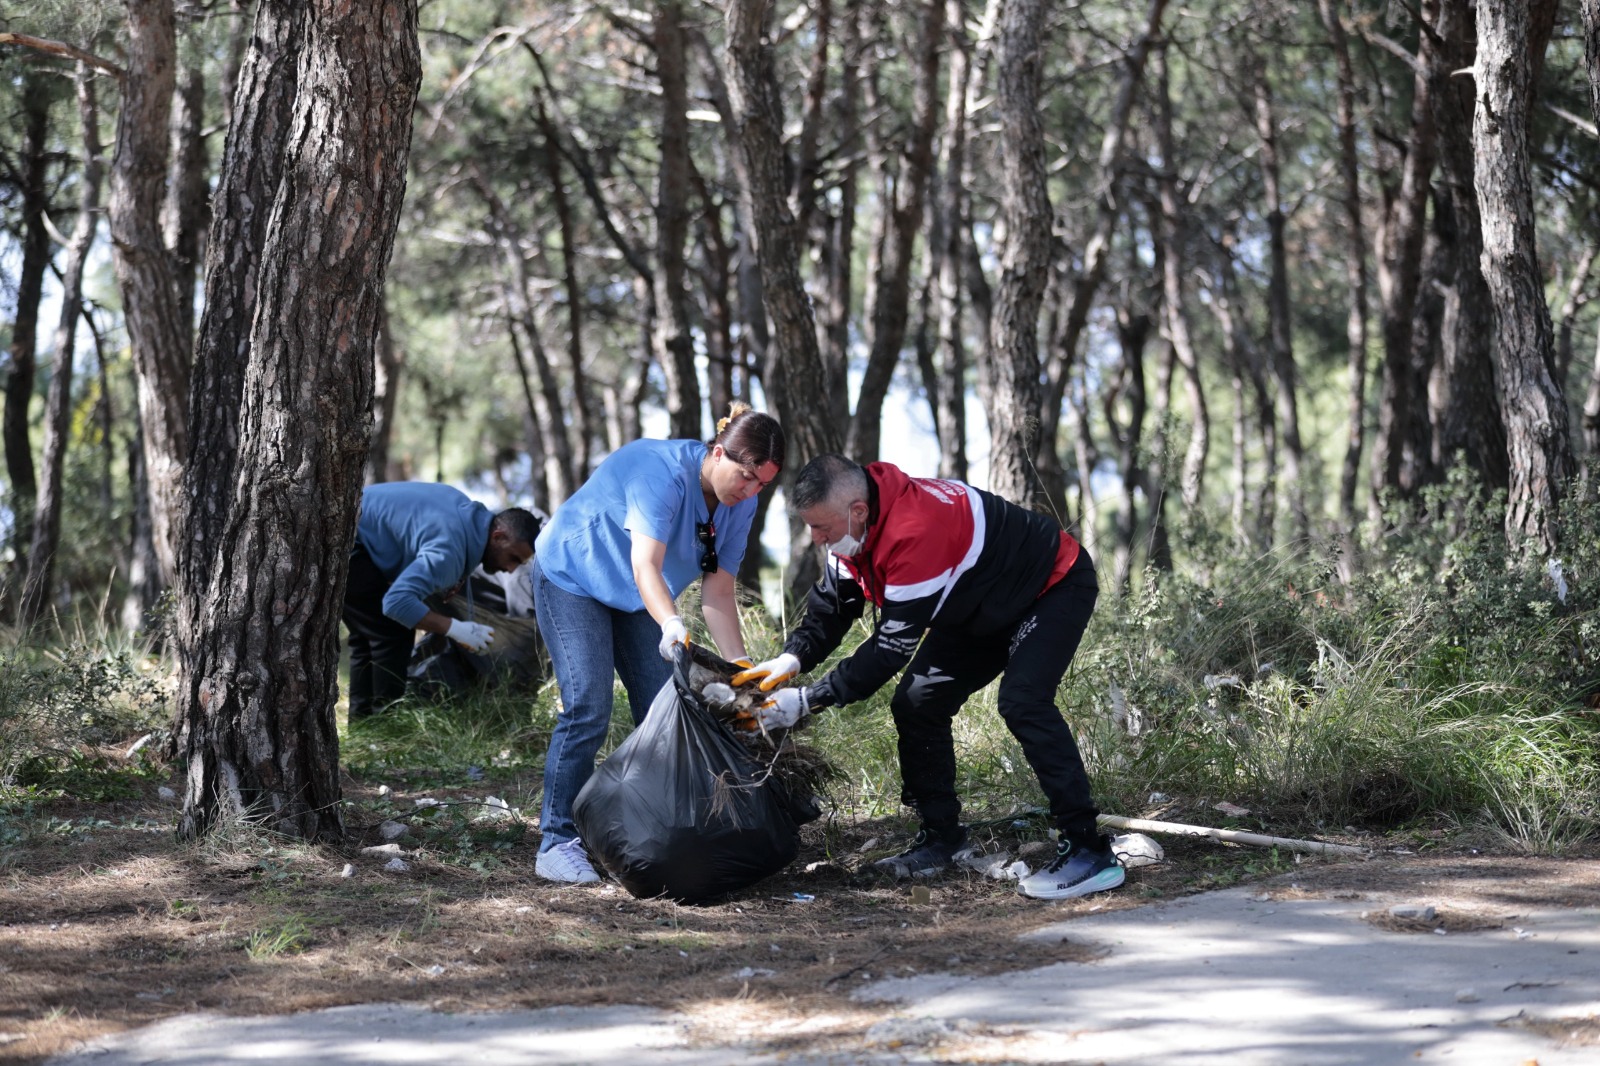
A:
[107, 924]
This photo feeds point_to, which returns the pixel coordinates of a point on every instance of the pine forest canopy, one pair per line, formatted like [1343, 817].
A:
[1283, 264]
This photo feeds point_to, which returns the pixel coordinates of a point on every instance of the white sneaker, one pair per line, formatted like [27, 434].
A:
[566, 862]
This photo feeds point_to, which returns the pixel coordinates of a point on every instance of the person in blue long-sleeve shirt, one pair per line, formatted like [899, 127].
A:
[415, 540]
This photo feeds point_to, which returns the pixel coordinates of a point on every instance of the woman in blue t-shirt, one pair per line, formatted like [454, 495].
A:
[607, 571]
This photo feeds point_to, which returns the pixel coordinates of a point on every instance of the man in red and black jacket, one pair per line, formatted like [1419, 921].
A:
[967, 587]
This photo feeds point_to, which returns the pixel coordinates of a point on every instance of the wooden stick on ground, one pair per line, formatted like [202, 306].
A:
[1232, 836]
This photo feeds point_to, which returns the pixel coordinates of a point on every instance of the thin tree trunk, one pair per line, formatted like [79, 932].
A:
[1401, 445]
[58, 406]
[1133, 334]
[1591, 402]
[161, 348]
[263, 742]
[950, 412]
[795, 382]
[1174, 301]
[1013, 351]
[1535, 411]
[1577, 297]
[387, 369]
[904, 217]
[1086, 285]
[187, 212]
[1464, 399]
[1280, 328]
[584, 432]
[1355, 268]
[25, 323]
[674, 340]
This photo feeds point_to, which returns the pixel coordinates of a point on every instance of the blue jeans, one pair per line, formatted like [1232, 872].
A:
[589, 643]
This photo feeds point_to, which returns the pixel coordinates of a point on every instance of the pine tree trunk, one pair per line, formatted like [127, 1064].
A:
[1400, 448]
[25, 322]
[161, 348]
[1013, 353]
[262, 741]
[904, 218]
[1355, 267]
[387, 370]
[1534, 410]
[674, 340]
[1280, 329]
[1464, 399]
[58, 405]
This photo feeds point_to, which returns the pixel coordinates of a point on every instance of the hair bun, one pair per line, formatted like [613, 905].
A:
[735, 409]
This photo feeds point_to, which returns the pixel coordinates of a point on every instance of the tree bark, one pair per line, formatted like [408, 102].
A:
[904, 217]
[1355, 268]
[1534, 410]
[161, 349]
[252, 168]
[1464, 401]
[674, 340]
[1013, 352]
[793, 381]
[187, 212]
[1280, 329]
[1400, 449]
[950, 408]
[387, 370]
[25, 323]
[58, 405]
[263, 743]
[1174, 299]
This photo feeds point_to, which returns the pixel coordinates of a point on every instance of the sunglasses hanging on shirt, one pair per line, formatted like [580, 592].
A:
[707, 534]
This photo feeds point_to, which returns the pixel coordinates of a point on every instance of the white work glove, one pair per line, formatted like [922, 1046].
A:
[673, 633]
[785, 708]
[470, 635]
[771, 673]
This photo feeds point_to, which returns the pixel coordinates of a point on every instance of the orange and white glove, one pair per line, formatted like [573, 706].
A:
[784, 709]
[771, 673]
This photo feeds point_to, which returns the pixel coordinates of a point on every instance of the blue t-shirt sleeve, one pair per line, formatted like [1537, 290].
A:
[436, 567]
[652, 503]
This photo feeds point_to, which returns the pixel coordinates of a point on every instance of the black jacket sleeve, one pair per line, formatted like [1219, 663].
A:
[832, 606]
[879, 658]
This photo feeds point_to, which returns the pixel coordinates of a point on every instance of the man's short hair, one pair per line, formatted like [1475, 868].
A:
[829, 479]
[522, 525]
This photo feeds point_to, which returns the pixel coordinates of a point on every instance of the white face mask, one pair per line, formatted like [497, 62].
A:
[847, 545]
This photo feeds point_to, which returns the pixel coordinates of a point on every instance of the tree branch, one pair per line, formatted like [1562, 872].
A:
[64, 50]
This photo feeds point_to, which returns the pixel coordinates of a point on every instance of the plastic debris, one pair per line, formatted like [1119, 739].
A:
[166, 793]
[391, 830]
[1233, 810]
[382, 849]
[349, 870]
[1135, 849]
[384, 791]
[1018, 870]
[495, 809]
[1417, 912]
[719, 695]
[752, 971]
[398, 865]
[138, 745]
[1212, 682]
[1158, 798]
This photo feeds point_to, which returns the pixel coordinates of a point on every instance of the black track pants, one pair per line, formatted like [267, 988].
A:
[380, 647]
[1033, 654]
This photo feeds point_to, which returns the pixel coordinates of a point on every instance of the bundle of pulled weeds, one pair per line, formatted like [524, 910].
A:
[802, 768]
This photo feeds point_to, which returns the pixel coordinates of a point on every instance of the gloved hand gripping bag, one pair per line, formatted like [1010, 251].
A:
[681, 809]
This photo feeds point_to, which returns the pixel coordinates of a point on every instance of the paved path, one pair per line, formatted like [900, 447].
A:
[1228, 977]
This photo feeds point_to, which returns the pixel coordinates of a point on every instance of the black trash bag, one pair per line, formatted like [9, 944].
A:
[681, 810]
